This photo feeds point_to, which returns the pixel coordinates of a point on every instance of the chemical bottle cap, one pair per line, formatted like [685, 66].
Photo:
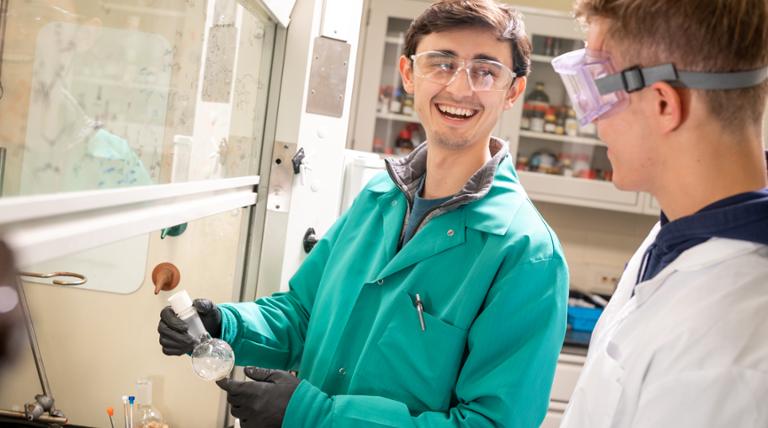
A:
[405, 134]
[180, 301]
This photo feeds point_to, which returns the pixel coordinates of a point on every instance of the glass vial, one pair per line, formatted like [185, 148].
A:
[146, 416]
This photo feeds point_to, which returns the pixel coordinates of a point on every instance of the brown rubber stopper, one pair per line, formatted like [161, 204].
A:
[166, 277]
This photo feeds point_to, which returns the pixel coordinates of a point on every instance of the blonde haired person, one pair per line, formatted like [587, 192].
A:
[678, 90]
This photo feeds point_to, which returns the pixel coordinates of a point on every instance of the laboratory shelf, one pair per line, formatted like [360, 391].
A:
[542, 58]
[398, 117]
[395, 40]
[561, 138]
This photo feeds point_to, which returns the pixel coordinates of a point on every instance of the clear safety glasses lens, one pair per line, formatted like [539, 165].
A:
[483, 75]
[579, 69]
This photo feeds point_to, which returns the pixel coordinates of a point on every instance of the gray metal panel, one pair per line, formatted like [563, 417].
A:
[328, 77]
[281, 177]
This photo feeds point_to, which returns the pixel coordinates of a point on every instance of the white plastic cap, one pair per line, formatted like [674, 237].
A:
[180, 301]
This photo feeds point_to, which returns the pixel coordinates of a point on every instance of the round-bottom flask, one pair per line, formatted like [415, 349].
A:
[213, 359]
[148, 417]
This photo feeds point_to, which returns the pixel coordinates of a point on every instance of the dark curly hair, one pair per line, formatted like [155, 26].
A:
[445, 15]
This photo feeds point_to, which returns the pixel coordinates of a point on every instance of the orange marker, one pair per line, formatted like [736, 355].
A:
[111, 412]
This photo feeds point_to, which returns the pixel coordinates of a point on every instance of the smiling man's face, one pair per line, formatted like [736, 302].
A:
[455, 116]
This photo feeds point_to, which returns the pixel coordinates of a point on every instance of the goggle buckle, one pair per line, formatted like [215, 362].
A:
[632, 79]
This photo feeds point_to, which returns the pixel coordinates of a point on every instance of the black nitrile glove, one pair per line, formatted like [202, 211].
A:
[261, 403]
[173, 331]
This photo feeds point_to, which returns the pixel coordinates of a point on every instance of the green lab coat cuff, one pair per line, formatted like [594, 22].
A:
[308, 407]
[248, 330]
[228, 324]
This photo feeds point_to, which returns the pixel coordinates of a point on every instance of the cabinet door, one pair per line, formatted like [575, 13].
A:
[385, 113]
[559, 161]
[566, 375]
[553, 419]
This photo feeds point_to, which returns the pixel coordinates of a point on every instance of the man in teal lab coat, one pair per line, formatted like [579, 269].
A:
[438, 299]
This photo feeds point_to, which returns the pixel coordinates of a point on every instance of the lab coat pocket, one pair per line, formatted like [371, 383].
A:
[418, 367]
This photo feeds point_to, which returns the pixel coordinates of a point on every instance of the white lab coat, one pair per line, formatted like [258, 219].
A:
[689, 349]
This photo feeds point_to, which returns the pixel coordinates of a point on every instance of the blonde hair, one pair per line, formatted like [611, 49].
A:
[694, 35]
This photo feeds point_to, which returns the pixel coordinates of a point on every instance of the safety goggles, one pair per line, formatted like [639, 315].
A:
[442, 68]
[597, 89]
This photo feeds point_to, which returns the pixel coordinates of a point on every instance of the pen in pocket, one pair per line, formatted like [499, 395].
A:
[420, 311]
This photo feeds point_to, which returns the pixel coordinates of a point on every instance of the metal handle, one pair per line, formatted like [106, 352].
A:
[81, 279]
[310, 240]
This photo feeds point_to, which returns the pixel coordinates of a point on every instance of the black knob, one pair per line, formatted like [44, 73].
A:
[310, 239]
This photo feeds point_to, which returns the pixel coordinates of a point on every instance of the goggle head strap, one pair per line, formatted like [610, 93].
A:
[636, 78]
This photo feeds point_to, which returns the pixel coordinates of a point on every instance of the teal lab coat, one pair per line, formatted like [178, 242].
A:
[493, 282]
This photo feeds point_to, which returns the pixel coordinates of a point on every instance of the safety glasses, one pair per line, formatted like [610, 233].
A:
[442, 68]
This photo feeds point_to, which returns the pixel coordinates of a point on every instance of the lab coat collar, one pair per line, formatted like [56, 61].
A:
[491, 214]
[743, 216]
[407, 174]
[495, 212]
[381, 186]
[711, 252]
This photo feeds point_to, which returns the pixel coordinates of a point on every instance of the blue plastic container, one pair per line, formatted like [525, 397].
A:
[583, 319]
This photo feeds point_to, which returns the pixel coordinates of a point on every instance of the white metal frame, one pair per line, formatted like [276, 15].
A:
[43, 227]
[315, 193]
[278, 10]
